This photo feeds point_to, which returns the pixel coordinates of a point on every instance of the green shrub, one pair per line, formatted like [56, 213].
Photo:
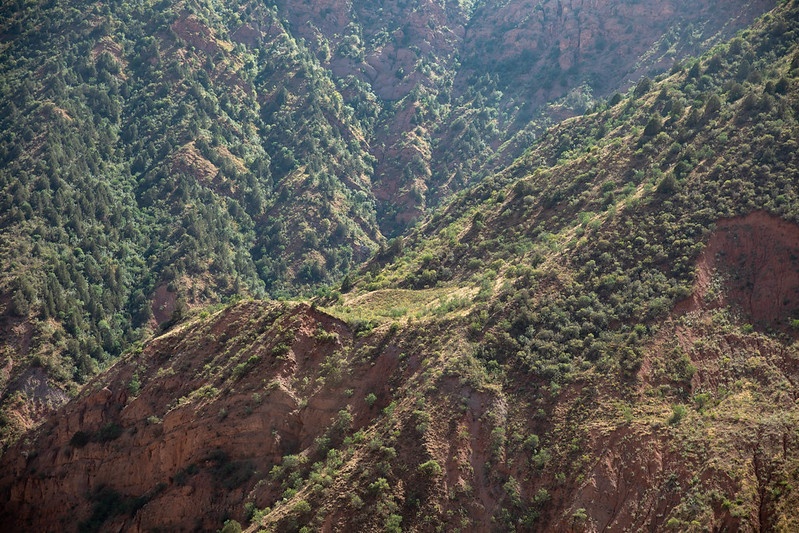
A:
[134, 385]
[356, 501]
[677, 413]
[379, 485]
[393, 524]
[231, 526]
[430, 468]
[702, 400]
[301, 507]
[109, 432]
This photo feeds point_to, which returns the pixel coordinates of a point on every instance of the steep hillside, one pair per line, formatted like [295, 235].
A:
[164, 155]
[603, 336]
[285, 417]
[150, 163]
[462, 87]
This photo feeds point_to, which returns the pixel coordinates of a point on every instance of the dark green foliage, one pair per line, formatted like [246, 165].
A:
[643, 87]
[362, 327]
[109, 503]
[122, 170]
[109, 432]
[243, 368]
[678, 413]
[80, 439]
[370, 399]
[668, 184]
[712, 106]
[430, 469]
[346, 284]
[695, 71]
[653, 127]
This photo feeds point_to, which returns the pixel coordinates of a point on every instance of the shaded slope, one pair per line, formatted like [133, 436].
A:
[462, 87]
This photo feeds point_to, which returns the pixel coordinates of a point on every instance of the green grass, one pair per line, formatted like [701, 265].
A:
[388, 305]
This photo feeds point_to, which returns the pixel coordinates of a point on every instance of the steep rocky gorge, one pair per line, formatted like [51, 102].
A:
[221, 128]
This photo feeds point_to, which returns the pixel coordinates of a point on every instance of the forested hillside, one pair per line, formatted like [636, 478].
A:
[158, 156]
[149, 165]
[600, 335]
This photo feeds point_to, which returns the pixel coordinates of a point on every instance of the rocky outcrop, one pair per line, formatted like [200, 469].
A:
[177, 435]
[605, 42]
[197, 398]
[513, 57]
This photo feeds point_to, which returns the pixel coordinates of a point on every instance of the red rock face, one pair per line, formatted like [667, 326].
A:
[163, 304]
[751, 263]
[162, 431]
[607, 41]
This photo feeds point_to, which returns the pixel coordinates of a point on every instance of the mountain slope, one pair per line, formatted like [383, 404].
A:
[149, 165]
[171, 154]
[587, 340]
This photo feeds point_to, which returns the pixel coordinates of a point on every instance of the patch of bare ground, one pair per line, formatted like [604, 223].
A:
[752, 264]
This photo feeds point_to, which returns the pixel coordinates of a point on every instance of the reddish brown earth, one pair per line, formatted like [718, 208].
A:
[752, 264]
[162, 435]
[28, 394]
[106, 44]
[196, 33]
[613, 40]
[221, 399]
[163, 304]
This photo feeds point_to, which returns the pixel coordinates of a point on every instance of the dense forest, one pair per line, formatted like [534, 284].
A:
[136, 159]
